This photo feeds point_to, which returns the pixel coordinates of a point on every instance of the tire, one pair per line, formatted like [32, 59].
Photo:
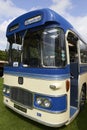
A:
[83, 98]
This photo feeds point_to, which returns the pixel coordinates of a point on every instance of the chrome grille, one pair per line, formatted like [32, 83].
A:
[22, 96]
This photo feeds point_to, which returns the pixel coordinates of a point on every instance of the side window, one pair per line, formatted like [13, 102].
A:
[73, 48]
[83, 52]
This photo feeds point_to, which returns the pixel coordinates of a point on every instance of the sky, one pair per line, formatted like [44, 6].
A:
[75, 11]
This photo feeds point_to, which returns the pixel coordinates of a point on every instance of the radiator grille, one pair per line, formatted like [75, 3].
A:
[22, 96]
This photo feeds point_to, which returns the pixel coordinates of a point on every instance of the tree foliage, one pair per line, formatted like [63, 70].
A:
[2, 55]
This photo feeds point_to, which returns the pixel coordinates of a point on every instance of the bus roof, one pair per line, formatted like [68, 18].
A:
[36, 18]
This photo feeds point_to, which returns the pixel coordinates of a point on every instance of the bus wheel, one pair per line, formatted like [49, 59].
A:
[83, 98]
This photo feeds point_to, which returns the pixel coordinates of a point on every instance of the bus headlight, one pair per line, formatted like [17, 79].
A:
[39, 100]
[47, 103]
[43, 102]
[6, 90]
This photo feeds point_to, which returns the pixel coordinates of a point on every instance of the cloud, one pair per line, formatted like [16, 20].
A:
[63, 7]
[3, 40]
[8, 11]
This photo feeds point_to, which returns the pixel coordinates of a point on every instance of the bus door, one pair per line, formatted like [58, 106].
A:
[74, 69]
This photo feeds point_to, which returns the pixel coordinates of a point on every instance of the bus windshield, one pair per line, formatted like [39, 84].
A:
[42, 48]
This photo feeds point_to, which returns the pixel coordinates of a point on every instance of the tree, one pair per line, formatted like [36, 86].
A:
[2, 55]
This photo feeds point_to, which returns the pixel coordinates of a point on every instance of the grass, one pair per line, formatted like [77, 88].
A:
[9, 120]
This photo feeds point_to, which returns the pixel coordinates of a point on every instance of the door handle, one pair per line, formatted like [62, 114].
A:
[72, 77]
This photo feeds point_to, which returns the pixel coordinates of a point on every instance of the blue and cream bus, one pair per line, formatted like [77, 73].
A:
[46, 76]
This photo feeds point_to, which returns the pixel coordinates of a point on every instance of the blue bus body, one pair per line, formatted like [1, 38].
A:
[47, 16]
[27, 89]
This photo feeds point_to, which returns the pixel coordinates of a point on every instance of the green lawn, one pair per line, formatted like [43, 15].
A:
[10, 120]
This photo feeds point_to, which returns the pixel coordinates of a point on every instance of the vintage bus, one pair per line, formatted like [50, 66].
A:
[46, 76]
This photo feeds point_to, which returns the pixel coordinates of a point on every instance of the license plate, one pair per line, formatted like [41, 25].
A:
[20, 108]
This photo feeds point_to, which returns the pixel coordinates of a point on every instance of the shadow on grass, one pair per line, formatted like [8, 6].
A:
[82, 119]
